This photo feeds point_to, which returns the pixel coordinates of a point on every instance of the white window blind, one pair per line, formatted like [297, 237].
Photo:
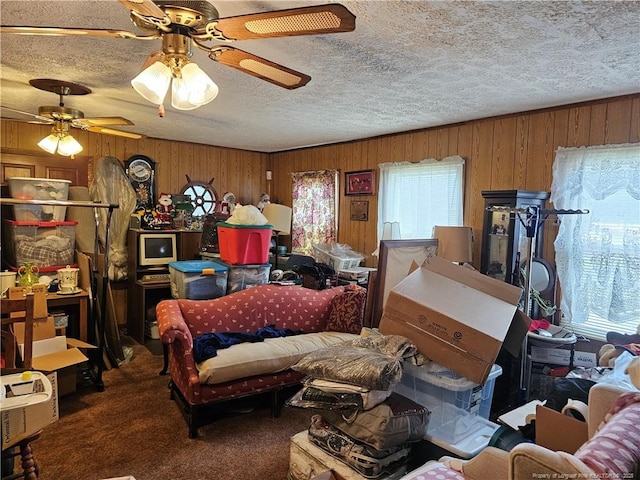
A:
[598, 254]
[420, 195]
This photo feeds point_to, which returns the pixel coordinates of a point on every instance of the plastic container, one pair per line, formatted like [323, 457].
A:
[456, 403]
[198, 279]
[26, 188]
[347, 259]
[241, 277]
[244, 244]
[41, 243]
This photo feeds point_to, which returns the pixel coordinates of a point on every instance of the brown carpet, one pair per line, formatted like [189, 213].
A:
[133, 428]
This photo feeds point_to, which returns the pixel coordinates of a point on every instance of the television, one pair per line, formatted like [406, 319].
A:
[157, 249]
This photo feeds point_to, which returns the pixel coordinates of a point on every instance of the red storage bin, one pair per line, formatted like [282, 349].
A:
[244, 244]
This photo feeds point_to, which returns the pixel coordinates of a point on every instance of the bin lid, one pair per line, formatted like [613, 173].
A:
[233, 225]
[197, 266]
[66, 223]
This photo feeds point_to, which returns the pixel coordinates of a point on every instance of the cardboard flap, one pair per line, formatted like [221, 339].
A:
[74, 342]
[55, 361]
[41, 329]
[559, 432]
[516, 333]
[474, 279]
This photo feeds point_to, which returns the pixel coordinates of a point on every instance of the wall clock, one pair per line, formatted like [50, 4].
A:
[141, 171]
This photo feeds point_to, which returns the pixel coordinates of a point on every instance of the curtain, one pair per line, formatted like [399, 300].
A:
[598, 253]
[420, 195]
[314, 209]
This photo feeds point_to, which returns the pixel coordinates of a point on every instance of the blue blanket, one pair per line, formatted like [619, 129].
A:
[207, 345]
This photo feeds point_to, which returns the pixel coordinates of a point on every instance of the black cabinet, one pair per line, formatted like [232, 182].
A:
[504, 232]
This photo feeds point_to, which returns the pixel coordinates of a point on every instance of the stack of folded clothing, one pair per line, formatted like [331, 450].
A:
[361, 421]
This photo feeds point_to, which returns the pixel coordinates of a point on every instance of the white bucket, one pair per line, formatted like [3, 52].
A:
[27, 188]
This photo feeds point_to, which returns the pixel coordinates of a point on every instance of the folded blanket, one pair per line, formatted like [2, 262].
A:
[207, 345]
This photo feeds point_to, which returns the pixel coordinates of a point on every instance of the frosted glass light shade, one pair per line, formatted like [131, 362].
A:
[49, 143]
[69, 146]
[193, 90]
[153, 82]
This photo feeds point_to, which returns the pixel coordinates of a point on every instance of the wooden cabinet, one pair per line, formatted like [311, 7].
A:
[143, 296]
[504, 236]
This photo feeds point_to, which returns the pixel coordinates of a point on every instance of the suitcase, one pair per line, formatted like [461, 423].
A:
[367, 461]
[395, 421]
[308, 460]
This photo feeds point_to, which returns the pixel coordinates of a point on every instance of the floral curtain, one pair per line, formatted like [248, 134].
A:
[598, 253]
[314, 209]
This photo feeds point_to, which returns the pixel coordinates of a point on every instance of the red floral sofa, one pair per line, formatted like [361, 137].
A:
[325, 316]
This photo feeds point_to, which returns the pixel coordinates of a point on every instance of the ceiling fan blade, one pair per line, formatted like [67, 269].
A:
[40, 118]
[333, 18]
[259, 67]
[111, 131]
[103, 121]
[56, 31]
[144, 8]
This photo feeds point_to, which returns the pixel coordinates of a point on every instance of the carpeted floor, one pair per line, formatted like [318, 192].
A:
[133, 428]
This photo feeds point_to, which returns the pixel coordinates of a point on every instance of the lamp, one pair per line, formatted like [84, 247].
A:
[61, 140]
[454, 243]
[279, 216]
[191, 87]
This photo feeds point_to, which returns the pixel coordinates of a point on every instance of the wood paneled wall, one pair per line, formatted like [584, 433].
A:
[503, 153]
[237, 171]
[509, 152]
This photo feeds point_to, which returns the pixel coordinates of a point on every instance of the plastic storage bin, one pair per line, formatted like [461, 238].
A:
[41, 243]
[26, 188]
[244, 244]
[241, 277]
[454, 401]
[198, 279]
[338, 259]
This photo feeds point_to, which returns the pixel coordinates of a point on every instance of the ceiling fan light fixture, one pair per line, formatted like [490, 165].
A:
[68, 146]
[49, 143]
[192, 89]
[153, 82]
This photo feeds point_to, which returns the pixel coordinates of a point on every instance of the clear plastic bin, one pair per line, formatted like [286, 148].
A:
[337, 258]
[198, 279]
[26, 188]
[40, 243]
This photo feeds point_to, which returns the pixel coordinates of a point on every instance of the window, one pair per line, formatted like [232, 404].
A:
[420, 195]
[314, 209]
[598, 253]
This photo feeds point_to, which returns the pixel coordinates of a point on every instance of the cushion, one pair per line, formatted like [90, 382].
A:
[346, 312]
[614, 451]
[271, 356]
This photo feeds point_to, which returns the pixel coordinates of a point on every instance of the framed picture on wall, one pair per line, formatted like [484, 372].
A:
[361, 182]
[359, 211]
[394, 263]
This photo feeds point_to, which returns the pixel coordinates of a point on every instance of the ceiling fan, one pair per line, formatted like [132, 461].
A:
[62, 117]
[182, 23]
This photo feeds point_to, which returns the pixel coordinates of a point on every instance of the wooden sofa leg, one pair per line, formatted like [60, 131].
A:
[275, 404]
[193, 421]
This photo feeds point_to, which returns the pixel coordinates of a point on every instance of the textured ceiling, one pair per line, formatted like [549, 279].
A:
[408, 65]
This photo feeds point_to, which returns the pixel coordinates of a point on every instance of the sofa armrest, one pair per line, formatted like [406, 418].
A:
[602, 396]
[528, 460]
[490, 459]
[171, 324]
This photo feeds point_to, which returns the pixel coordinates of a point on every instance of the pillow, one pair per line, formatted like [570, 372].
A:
[346, 311]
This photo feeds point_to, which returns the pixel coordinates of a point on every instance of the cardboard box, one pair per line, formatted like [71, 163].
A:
[561, 356]
[20, 423]
[53, 353]
[457, 317]
[559, 432]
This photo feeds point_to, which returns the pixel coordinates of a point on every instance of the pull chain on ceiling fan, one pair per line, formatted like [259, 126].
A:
[181, 23]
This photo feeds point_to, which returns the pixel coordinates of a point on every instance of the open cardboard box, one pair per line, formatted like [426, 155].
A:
[54, 353]
[456, 316]
[20, 423]
[559, 432]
